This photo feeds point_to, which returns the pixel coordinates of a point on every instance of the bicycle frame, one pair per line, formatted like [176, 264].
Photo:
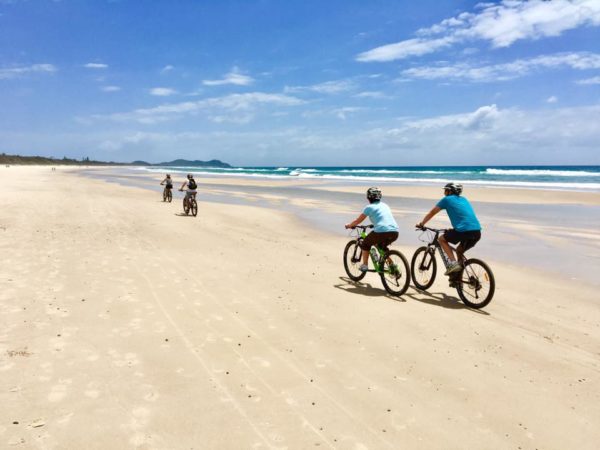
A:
[377, 255]
[435, 244]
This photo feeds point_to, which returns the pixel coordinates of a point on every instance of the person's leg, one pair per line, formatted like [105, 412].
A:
[365, 257]
[450, 237]
[447, 249]
[366, 245]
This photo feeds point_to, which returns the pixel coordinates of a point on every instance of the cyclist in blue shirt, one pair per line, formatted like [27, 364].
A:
[385, 229]
[466, 229]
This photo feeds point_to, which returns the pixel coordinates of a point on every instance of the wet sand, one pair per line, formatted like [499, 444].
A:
[127, 325]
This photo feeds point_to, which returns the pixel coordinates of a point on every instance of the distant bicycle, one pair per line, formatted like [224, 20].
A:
[391, 265]
[474, 283]
[167, 194]
[189, 204]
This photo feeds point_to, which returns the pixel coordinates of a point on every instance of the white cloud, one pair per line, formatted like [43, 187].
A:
[588, 81]
[233, 77]
[486, 135]
[371, 94]
[506, 71]
[328, 87]
[167, 68]
[552, 99]
[235, 105]
[481, 118]
[339, 113]
[96, 66]
[111, 88]
[404, 49]
[500, 24]
[15, 72]
[162, 92]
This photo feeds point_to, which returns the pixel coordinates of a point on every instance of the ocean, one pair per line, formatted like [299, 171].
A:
[579, 178]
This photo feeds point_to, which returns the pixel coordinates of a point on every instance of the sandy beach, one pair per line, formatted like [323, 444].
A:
[125, 324]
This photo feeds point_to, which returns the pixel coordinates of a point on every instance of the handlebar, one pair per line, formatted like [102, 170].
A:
[435, 230]
[363, 227]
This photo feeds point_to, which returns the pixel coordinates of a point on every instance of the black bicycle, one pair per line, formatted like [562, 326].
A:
[474, 283]
[391, 265]
[167, 194]
[189, 204]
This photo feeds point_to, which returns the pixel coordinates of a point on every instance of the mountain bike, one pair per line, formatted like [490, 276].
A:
[474, 283]
[391, 265]
[167, 194]
[189, 204]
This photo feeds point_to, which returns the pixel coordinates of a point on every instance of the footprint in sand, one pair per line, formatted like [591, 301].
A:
[139, 420]
[59, 391]
[92, 393]
[6, 366]
[261, 361]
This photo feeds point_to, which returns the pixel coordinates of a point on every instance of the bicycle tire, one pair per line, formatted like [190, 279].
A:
[186, 208]
[476, 275]
[352, 261]
[169, 196]
[423, 277]
[194, 207]
[395, 277]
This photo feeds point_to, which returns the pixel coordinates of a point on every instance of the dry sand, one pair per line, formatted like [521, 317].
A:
[126, 325]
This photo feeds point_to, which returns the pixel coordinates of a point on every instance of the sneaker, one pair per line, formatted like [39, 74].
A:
[363, 268]
[453, 267]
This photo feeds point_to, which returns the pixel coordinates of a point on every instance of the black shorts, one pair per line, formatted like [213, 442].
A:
[169, 186]
[467, 239]
[382, 239]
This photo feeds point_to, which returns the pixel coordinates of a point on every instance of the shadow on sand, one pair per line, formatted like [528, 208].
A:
[357, 287]
[431, 298]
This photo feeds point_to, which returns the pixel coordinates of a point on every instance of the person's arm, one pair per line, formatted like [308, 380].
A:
[181, 188]
[430, 214]
[162, 182]
[356, 221]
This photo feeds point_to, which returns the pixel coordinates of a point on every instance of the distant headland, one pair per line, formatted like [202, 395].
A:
[42, 160]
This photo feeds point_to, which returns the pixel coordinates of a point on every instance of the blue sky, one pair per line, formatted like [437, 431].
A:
[303, 82]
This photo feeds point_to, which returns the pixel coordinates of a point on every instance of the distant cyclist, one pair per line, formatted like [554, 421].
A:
[168, 182]
[191, 186]
[466, 229]
[386, 229]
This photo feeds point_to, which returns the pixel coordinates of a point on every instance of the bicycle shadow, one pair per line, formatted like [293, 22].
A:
[440, 299]
[359, 288]
[183, 215]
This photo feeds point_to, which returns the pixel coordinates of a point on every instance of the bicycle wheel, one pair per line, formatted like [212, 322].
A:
[169, 196]
[352, 256]
[396, 273]
[423, 268]
[164, 196]
[186, 208]
[194, 207]
[476, 284]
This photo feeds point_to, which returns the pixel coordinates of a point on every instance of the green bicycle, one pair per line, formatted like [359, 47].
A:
[391, 265]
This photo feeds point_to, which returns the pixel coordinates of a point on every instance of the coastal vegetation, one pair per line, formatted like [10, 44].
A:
[43, 160]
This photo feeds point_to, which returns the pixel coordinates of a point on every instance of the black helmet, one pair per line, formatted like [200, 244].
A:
[168, 175]
[373, 194]
[455, 189]
[190, 176]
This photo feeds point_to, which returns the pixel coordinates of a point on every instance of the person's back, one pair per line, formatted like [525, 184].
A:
[466, 231]
[461, 214]
[380, 215]
[385, 229]
[168, 181]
